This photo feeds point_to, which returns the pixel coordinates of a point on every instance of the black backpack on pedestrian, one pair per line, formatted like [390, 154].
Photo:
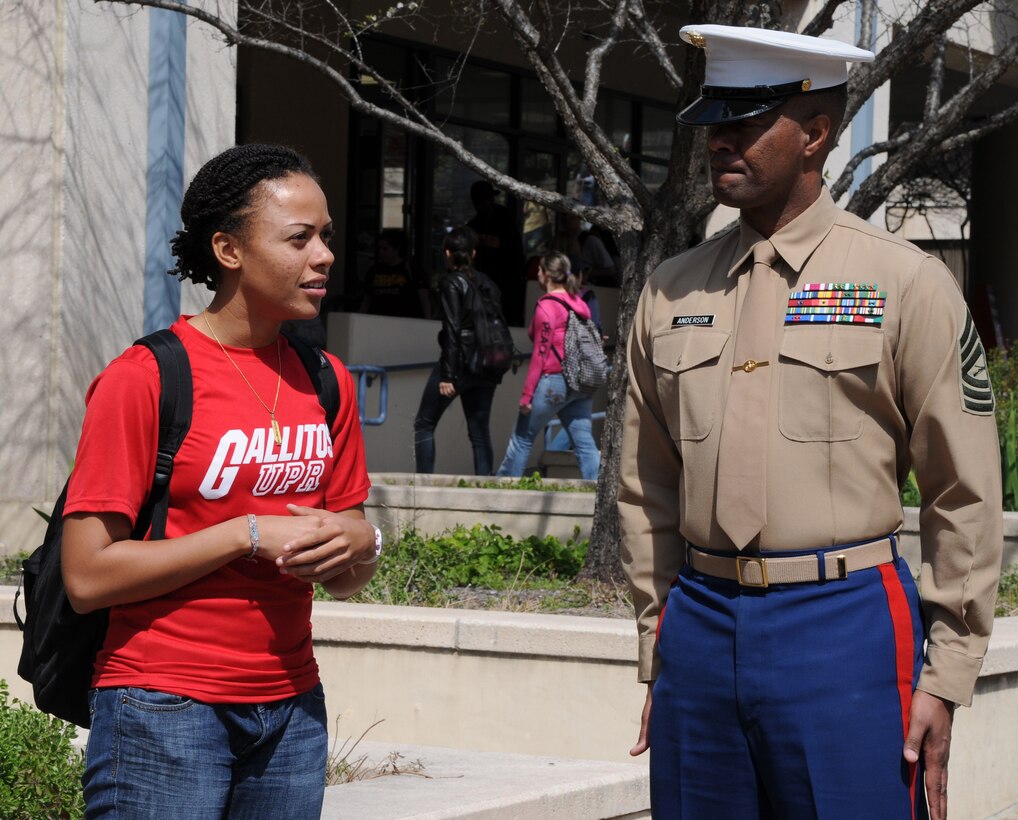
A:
[60, 646]
[492, 356]
[585, 365]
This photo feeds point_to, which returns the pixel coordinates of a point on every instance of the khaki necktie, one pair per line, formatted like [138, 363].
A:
[742, 453]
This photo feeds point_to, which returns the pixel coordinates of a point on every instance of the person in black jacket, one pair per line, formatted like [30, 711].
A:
[452, 375]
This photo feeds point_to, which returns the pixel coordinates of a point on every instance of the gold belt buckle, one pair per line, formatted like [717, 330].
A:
[742, 561]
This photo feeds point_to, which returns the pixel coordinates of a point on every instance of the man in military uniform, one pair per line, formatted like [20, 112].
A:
[784, 376]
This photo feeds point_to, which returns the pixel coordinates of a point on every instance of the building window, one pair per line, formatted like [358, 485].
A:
[469, 92]
[451, 181]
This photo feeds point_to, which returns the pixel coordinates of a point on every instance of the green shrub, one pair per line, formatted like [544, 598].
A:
[910, 492]
[1007, 594]
[40, 770]
[418, 570]
[10, 568]
[526, 482]
[1003, 364]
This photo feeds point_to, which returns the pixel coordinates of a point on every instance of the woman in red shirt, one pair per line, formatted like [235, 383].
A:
[206, 699]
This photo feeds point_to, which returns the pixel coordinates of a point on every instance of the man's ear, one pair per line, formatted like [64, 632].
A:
[819, 135]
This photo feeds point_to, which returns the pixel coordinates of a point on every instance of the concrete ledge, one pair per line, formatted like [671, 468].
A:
[433, 503]
[470, 630]
[492, 786]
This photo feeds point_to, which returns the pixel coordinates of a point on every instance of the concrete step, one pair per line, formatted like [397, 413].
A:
[456, 783]
[559, 464]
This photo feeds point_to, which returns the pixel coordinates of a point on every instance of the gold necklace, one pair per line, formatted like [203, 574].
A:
[279, 379]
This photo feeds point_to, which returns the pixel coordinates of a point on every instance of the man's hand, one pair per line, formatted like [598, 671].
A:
[643, 741]
[929, 735]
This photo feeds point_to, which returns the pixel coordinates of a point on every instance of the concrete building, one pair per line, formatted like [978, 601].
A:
[107, 112]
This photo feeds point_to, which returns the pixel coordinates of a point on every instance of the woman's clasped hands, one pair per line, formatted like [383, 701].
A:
[315, 545]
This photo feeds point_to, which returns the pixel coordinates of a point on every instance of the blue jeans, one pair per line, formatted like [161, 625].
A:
[552, 398]
[476, 397]
[152, 754]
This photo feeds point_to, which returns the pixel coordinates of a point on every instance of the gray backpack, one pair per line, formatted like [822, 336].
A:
[584, 363]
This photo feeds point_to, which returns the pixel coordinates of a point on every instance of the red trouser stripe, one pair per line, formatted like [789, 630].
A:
[904, 648]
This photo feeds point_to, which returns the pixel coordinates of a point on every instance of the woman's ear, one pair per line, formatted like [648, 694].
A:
[227, 250]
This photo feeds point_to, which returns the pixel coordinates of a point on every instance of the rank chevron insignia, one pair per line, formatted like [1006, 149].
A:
[976, 392]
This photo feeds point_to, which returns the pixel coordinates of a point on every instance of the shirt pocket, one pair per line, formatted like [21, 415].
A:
[828, 378]
[685, 361]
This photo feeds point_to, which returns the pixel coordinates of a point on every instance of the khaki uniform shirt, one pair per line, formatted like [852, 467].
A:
[852, 406]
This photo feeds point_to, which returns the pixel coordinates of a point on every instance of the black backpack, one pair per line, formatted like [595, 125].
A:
[493, 351]
[585, 366]
[60, 646]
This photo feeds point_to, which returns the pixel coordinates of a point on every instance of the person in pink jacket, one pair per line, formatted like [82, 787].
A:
[545, 394]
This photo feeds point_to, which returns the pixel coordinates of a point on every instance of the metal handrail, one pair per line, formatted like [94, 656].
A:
[366, 374]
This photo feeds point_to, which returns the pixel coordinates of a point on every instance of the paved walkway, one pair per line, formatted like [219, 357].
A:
[491, 786]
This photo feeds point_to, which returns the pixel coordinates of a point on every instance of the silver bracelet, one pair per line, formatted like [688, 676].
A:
[378, 547]
[252, 529]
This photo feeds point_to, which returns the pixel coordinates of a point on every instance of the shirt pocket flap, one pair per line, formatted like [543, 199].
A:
[684, 349]
[835, 348]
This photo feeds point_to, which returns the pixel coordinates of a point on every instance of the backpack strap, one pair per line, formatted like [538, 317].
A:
[569, 308]
[322, 374]
[175, 409]
[564, 304]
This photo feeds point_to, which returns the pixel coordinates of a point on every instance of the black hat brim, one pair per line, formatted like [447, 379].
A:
[710, 111]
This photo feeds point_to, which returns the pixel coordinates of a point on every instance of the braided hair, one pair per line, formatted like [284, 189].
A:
[219, 198]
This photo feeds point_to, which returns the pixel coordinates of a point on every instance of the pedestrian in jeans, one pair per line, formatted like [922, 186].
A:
[452, 376]
[545, 394]
[207, 700]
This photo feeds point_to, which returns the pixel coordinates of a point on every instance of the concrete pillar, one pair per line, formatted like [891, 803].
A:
[75, 98]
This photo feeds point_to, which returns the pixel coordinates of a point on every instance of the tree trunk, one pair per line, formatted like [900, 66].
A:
[669, 228]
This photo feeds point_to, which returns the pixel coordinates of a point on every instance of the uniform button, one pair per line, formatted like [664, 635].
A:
[829, 359]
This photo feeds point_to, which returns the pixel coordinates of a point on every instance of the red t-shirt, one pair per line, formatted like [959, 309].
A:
[243, 632]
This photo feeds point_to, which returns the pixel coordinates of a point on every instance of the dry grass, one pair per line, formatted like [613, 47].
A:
[590, 598]
[347, 765]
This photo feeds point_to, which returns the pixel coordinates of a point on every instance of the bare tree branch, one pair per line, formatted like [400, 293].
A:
[824, 18]
[867, 17]
[642, 26]
[987, 126]
[616, 176]
[929, 135]
[615, 218]
[934, 18]
[592, 74]
[935, 88]
[845, 179]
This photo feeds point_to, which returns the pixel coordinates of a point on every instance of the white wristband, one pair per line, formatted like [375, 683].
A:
[378, 547]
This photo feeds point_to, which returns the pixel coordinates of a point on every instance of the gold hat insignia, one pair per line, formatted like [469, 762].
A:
[697, 40]
[807, 84]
